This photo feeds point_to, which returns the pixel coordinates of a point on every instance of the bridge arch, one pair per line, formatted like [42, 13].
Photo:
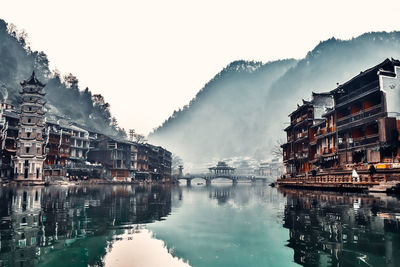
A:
[210, 177]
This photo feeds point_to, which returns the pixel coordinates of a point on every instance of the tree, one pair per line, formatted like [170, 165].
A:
[98, 99]
[71, 81]
[140, 138]
[20, 35]
[176, 162]
[41, 64]
[277, 150]
[114, 123]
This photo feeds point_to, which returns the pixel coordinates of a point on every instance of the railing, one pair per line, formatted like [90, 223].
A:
[300, 119]
[326, 150]
[301, 155]
[360, 115]
[360, 141]
[332, 179]
[301, 135]
[359, 91]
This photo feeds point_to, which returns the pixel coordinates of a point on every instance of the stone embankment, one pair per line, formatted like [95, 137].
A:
[381, 181]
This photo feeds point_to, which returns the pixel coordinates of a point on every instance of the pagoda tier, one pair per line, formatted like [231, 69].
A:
[28, 162]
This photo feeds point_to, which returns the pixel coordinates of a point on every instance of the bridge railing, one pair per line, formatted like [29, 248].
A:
[215, 176]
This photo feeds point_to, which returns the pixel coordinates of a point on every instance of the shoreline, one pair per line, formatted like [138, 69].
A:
[384, 180]
[83, 182]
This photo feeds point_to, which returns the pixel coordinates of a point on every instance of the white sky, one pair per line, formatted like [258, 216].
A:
[151, 57]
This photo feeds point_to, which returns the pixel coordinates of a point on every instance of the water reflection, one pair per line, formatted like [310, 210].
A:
[72, 226]
[225, 225]
[336, 229]
[218, 225]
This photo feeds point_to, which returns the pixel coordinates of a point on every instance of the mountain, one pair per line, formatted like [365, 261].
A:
[224, 114]
[63, 94]
[242, 111]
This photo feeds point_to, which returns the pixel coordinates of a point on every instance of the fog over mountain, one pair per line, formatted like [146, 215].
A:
[64, 96]
[243, 110]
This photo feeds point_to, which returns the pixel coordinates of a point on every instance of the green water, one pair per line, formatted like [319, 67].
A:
[219, 225]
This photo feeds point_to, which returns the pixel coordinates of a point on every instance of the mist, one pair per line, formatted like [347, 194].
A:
[243, 110]
[65, 99]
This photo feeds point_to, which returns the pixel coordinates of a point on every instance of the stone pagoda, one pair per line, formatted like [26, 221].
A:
[28, 161]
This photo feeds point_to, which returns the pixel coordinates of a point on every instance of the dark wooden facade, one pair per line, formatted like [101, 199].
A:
[362, 128]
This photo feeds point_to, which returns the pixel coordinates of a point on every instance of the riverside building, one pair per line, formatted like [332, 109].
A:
[38, 147]
[361, 129]
[298, 150]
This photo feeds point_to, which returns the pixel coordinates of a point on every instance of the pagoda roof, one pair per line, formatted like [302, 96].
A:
[221, 166]
[33, 81]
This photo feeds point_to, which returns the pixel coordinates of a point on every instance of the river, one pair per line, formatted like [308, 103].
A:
[217, 225]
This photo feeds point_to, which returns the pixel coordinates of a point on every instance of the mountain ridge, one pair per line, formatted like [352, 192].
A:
[208, 127]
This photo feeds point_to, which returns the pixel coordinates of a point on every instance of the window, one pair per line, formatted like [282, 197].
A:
[27, 149]
[28, 135]
[29, 120]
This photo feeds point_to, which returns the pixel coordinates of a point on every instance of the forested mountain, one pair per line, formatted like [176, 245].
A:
[63, 94]
[242, 111]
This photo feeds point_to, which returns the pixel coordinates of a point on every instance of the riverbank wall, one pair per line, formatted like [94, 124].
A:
[382, 181]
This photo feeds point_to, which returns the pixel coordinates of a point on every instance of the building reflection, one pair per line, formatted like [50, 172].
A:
[337, 229]
[37, 223]
[20, 220]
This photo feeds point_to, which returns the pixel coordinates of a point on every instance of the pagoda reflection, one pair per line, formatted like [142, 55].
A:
[39, 223]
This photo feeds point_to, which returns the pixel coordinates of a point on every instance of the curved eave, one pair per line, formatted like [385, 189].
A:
[32, 93]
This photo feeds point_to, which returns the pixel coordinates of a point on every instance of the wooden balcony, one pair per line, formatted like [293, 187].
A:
[360, 115]
[360, 141]
[358, 93]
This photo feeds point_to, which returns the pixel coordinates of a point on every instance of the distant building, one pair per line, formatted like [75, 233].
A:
[9, 123]
[153, 163]
[273, 168]
[80, 144]
[57, 147]
[142, 162]
[244, 168]
[296, 151]
[114, 154]
[222, 169]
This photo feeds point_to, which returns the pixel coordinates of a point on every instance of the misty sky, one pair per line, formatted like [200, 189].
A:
[151, 57]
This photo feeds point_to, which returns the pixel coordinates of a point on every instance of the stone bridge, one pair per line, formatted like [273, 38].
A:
[233, 177]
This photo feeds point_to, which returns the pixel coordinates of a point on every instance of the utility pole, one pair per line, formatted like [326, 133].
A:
[131, 134]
